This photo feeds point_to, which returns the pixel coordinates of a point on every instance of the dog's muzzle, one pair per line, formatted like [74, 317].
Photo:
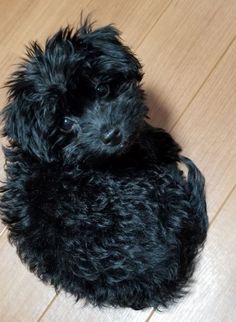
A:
[111, 137]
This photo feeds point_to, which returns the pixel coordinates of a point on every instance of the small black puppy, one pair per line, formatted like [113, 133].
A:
[94, 200]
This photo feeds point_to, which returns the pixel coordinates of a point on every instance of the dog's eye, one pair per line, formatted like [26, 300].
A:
[67, 124]
[102, 90]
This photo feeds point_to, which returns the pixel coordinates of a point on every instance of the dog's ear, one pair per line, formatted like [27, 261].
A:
[26, 128]
[35, 91]
[27, 117]
[106, 42]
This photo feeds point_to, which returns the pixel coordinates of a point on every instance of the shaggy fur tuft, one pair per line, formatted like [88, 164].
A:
[94, 200]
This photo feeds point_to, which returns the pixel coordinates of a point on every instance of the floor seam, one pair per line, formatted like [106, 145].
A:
[150, 316]
[222, 205]
[154, 24]
[48, 307]
[204, 82]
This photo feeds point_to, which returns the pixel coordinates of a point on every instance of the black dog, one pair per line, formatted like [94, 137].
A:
[94, 200]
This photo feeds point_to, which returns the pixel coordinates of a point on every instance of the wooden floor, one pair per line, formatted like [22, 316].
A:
[188, 50]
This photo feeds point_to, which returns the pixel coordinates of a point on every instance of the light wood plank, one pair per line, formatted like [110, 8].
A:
[207, 131]
[2, 228]
[33, 20]
[64, 308]
[22, 296]
[213, 296]
[134, 18]
[181, 50]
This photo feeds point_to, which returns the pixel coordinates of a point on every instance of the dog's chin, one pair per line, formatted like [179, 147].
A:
[105, 154]
[98, 153]
[114, 151]
[119, 149]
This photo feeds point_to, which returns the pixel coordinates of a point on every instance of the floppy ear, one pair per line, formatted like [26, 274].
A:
[27, 116]
[25, 127]
[35, 91]
[106, 41]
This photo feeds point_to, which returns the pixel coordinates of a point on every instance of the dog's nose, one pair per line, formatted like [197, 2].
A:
[111, 136]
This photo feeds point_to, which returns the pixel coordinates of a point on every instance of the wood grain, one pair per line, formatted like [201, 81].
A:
[33, 20]
[212, 298]
[181, 50]
[2, 229]
[134, 18]
[212, 115]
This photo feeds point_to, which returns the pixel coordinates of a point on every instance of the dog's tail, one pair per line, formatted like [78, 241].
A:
[196, 189]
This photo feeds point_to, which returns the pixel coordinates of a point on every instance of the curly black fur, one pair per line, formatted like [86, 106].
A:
[115, 222]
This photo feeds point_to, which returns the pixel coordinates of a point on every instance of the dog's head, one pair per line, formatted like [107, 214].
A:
[80, 97]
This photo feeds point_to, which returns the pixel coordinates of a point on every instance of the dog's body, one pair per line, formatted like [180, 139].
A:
[94, 200]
